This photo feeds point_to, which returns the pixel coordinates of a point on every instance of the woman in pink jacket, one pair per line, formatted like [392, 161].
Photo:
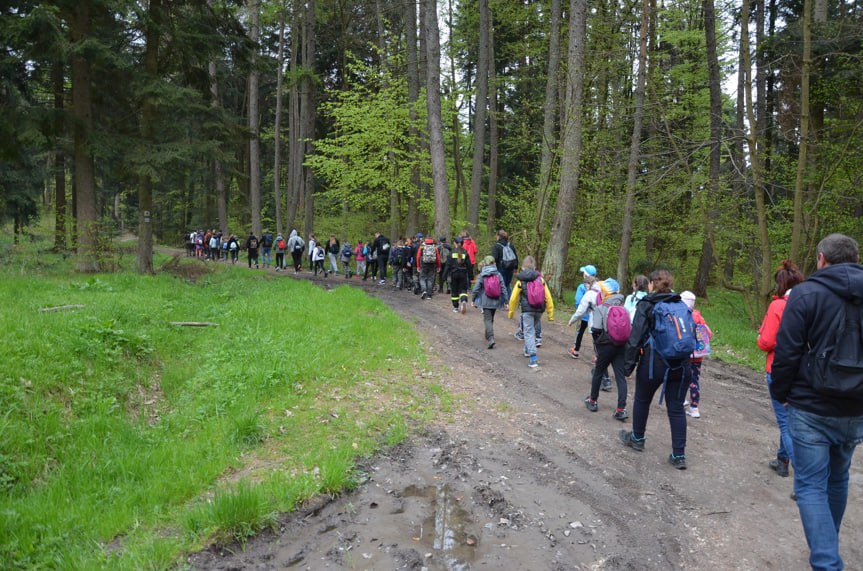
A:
[787, 276]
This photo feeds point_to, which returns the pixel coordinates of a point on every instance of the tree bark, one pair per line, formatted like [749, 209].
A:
[295, 137]
[634, 149]
[60, 208]
[493, 134]
[480, 110]
[797, 225]
[86, 213]
[410, 23]
[254, 120]
[277, 128]
[549, 141]
[708, 198]
[308, 106]
[436, 144]
[554, 263]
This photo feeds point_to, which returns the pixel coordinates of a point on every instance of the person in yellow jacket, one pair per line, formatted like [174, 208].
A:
[535, 301]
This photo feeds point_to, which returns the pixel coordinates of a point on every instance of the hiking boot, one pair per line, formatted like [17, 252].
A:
[526, 354]
[532, 363]
[620, 414]
[591, 404]
[780, 466]
[678, 462]
[629, 440]
[573, 353]
[519, 336]
[693, 412]
[491, 342]
[606, 384]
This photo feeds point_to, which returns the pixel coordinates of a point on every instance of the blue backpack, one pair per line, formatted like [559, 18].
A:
[672, 339]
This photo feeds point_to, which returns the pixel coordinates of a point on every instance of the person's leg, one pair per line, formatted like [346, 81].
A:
[822, 457]
[527, 323]
[786, 449]
[694, 387]
[578, 336]
[617, 362]
[645, 389]
[382, 262]
[603, 358]
[675, 393]
[488, 323]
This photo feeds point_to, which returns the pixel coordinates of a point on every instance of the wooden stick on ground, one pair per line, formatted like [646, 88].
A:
[60, 308]
[194, 324]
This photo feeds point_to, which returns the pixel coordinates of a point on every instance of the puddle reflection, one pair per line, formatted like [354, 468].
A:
[447, 531]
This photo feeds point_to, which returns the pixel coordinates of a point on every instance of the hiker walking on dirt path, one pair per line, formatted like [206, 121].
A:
[280, 245]
[333, 249]
[445, 252]
[611, 329]
[428, 261]
[531, 294]
[461, 272]
[382, 246]
[818, 375]
[586, 308]
[697, 358]
[296, 246]
[646, 348]
[787, 277]
[489, 294]
[360, 252]
[587, 272]
[252, 249]
[505, 259]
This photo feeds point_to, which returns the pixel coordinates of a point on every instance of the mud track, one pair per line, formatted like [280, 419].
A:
[522, 476]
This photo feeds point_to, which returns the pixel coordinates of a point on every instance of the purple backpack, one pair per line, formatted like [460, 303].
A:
[491, 286]
[536, 293]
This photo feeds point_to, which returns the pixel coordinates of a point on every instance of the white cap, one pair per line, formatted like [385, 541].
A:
[688, 298]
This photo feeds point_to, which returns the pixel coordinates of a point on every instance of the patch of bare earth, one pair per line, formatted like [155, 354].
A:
[522, 476]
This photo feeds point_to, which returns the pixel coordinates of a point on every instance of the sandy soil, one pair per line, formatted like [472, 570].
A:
[523, 476]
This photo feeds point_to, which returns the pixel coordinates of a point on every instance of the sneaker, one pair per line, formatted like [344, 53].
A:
[686, 403]
[620, 414]
[526, 354]
[455, 310]
[463, 307]
[423, 296]
[629, 440]
[491, 342]
[780, 466]
[539, 342]
[693, 412]
[678, 462]
[382, 282]
[532, 363]
[573, 353]
[606, 384]
[591, 404]
[519, 336]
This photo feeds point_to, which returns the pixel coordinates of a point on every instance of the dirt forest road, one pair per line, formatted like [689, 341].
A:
[523, 476]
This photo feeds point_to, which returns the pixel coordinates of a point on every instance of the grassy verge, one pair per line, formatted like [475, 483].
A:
[126, 441]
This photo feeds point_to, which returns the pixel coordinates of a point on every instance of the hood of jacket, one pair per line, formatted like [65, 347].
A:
[614, 299]
[527, 275]
[844, 280]
[293, 233]
[488, 270]
[655, 298]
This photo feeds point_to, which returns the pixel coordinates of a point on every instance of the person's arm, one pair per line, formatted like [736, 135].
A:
[513, 299]
[549, 301]
[640, 329]
[770, 326]
[791, 344]
[583, 307]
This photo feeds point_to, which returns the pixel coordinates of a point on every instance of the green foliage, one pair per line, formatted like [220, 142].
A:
[114, 421]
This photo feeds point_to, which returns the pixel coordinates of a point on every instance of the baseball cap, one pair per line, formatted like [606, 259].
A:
[588, 269]
[688, 298]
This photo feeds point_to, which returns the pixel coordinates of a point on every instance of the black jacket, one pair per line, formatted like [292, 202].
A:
[637, 347]
[808, 319]
[497, 253]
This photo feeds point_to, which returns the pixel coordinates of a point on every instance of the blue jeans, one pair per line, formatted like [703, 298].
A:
[786, 450]
[265, 256]
[529, 325]
[823, 449]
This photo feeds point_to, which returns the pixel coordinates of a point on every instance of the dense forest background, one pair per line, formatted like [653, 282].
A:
[713, 139]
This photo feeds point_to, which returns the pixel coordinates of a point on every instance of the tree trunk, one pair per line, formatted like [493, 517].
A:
[395, 218]
[436, 144]
[481, 106]
[308, 107]
[149, 116]
[254, 120]
[797, 225]
[295, 137]
[492, 135]
[554, 263]
[277, 128]
[410, 23]
[634, 149]
[549, 142]
[762, 271]
[709, 198]
[59, 161]
[86, 213]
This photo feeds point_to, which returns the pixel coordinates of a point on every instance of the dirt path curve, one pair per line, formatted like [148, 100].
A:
[522, 476]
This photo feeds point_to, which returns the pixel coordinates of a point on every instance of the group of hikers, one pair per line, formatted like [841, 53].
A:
[655, 333]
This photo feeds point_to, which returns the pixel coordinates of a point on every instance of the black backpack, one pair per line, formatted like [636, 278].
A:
[835, 365]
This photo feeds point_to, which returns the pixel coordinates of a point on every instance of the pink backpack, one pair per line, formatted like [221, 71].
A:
[491, 286]
[536, 293]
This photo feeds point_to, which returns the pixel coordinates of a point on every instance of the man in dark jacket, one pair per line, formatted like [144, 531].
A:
[505, 267]
[382, 246]
[825, 426]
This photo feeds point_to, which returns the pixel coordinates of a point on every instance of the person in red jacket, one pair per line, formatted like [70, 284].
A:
[469, 247]
[787, 276]
[428, 261]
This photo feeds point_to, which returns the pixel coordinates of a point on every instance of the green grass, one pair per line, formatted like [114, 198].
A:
[126, 441]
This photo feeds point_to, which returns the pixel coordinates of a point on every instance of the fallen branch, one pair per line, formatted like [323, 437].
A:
[60, 308]
[194, 324]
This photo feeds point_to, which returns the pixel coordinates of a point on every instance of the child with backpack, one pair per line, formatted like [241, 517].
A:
[360, 252]
[280, 247]
[318, 256]
[703, 335]
[428, 261]
[611, 333]
[461, 273]
[536, 299]
[586, 308]
[489, 293]
[660, 345]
